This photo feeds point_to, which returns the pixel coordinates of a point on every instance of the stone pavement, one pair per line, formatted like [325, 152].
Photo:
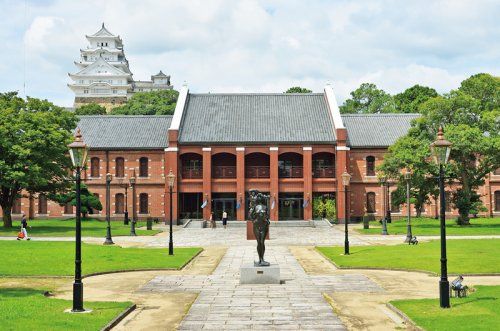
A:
[297, 304]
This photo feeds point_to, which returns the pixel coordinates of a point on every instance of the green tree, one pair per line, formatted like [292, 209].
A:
[89, 202]
[298, 89]
[368, 99]
[484, 88]
[33, 148]
[318, 208]
[330, 209]
[410, 99]
[149, 103]
[91, 109]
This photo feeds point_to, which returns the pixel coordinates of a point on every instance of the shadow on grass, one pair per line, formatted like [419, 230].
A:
[473, 300]
[17, 292]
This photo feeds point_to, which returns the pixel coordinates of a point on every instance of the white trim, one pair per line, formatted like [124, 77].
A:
[273, 148]
[240, 149]
[333, 107]
[307, 148]
[343, 148]
[206, 149]
[179, 108]
[171, 149]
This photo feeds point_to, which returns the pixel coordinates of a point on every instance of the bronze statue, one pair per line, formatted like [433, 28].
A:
[258, 214]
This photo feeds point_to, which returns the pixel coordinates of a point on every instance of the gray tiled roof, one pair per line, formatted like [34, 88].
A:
[376, 130]
[125, 132]
[256, 118]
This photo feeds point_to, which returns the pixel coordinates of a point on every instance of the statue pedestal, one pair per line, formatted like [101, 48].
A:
[249, 274]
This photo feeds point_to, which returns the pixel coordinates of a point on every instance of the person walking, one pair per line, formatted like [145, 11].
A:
[213, 225]
[224, 219]
[24, 225]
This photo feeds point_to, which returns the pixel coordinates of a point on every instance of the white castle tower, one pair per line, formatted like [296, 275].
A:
[104, 76]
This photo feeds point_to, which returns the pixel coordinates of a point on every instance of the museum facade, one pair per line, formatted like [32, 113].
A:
[293, 147]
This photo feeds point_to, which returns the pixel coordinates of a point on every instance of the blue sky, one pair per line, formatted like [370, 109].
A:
[255, 46]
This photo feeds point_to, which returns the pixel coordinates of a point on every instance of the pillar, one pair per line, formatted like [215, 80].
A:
[240, 182]
[307, 174]
[207, 182]
[171, 162]
[342, 160]
[274, 184]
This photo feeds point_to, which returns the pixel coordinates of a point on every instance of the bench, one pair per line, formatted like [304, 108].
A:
[413, 241]
[458, 288]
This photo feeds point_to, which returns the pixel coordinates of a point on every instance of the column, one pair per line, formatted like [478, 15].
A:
[307, 174]
[207, 182]
[240, 183]
[171, 162]
[274, 184]
[342, 160]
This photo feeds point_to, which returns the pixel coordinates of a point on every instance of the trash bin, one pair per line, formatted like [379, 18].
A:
[366, 222]
[149, 223]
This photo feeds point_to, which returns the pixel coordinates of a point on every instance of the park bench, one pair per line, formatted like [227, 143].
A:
[458, 288]
[413, 241]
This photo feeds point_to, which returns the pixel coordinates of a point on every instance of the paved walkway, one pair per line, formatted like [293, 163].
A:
[224, 304]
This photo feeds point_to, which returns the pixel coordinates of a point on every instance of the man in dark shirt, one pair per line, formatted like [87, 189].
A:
[24, 225]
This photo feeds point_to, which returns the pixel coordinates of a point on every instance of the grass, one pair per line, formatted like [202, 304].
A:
[429, 226]
[464, 256]
[479, 311]
[44, 258]
[66, 228]
[28, 309]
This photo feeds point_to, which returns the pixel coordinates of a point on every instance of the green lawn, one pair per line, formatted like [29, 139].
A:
[464, 256]
[479, 311]
[66, 228]
[28, 309]
[44, 258]
[429, 226]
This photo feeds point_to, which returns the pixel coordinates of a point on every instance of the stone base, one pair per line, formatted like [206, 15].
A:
[249, 274]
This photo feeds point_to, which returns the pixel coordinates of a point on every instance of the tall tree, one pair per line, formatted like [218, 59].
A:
[33, 153]
[368, 99]
[410, 99]
[91, 109]
[298, 89]
[89, 202]
[149, 103]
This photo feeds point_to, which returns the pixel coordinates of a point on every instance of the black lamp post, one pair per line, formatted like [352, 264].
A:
[171, 181]
[109, 240]
[408, 206]
[388, 198]
[78, 152]
[346, 178]
[383, 180]
[134, 207]
[441, 151]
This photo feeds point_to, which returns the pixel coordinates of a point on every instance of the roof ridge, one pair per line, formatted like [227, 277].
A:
[256, 93]
[125, 116]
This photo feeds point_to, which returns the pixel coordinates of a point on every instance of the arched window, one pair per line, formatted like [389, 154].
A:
[143, 203]
[119, 203]
[42, 204]
[370, 165]
[68, 208]
[143, 167]
[395, 208]
[370, 202]
[16, 208]
[120, 167]
[497, 200]
[94, 167]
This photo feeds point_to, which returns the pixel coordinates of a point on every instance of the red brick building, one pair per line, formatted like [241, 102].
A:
[292, 146]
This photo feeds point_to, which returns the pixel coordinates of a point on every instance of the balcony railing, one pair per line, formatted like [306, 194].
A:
[192, 173]
[257, 172]
[223, 172]
[324, 172]
[290, 172]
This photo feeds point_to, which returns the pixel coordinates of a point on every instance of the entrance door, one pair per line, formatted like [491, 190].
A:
[223, 204]
[291, 207]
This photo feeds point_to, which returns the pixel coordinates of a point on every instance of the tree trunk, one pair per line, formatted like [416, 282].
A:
[7, 217]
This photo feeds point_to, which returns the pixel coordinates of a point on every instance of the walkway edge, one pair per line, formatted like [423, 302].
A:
[405, 317]
[119, 318]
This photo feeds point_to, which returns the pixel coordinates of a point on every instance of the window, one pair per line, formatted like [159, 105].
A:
[85, 91]
[42, 204]
[16, 208]
[119, 203]
[370, 165]
[114, 91]
[395, 208]
[497, 172]
[120, 167]
[143, 203]
[497, 200]
[143, 167]
[68, 208]
[370, 202]
[94, 167]
[448, 202]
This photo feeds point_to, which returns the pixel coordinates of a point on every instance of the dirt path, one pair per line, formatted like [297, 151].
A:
[368, 311]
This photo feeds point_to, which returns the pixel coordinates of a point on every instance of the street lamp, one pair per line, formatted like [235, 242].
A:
[346, 178]
[170, 181]
[440, 150]
[383, 180]
[78, 152]
[134, 203]
[109, 240]
[388, 199]
[409, 235]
